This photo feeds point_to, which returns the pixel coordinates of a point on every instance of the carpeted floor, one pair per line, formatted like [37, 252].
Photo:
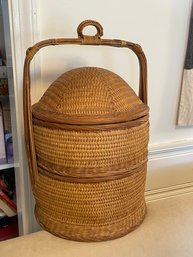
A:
[167, 231]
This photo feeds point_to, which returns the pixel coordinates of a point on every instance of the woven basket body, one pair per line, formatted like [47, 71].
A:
[88, 136]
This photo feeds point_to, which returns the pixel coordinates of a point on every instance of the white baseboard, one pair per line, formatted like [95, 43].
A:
[163, 193]
[170, 170]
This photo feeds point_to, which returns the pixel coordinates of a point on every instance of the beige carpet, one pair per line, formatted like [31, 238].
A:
[166, 232]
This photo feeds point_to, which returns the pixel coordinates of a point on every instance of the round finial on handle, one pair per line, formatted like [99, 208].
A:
[86, 23]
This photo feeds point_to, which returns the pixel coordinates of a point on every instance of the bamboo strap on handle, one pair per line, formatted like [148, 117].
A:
[81, 40]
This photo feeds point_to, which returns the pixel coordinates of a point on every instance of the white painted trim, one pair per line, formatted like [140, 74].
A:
[22, 29]
[170, 170]
[8, 166]
[168, 192]
[9, 13]
[177, 147]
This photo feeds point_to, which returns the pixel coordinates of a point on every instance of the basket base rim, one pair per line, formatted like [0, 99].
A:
[98, 239]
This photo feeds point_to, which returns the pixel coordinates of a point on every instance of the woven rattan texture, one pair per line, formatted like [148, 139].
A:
[86, 142]
[91, 154]
[89, 91]
[91, 212]
[91, 182]
[96, 210]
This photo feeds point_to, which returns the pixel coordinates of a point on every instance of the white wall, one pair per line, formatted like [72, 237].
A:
[160, 27]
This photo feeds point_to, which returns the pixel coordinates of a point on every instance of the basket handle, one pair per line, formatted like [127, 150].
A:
[86, 23]
[81, 40]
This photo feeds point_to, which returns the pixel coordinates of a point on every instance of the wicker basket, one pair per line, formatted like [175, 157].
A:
[86, 142]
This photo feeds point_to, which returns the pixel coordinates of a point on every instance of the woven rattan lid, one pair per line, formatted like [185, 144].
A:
[89, 95]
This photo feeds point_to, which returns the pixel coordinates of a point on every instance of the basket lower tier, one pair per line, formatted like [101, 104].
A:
[90, 211]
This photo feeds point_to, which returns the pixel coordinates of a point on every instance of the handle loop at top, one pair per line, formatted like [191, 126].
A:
[86, 23]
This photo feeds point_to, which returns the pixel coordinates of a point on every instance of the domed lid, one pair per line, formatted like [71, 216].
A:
[89, 95]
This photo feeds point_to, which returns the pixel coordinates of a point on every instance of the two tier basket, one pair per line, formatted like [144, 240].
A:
[86, 142]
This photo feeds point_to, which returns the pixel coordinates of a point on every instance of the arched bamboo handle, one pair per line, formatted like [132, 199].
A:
[81, 40]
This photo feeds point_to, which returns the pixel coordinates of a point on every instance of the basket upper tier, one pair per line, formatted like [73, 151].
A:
[89, 95]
